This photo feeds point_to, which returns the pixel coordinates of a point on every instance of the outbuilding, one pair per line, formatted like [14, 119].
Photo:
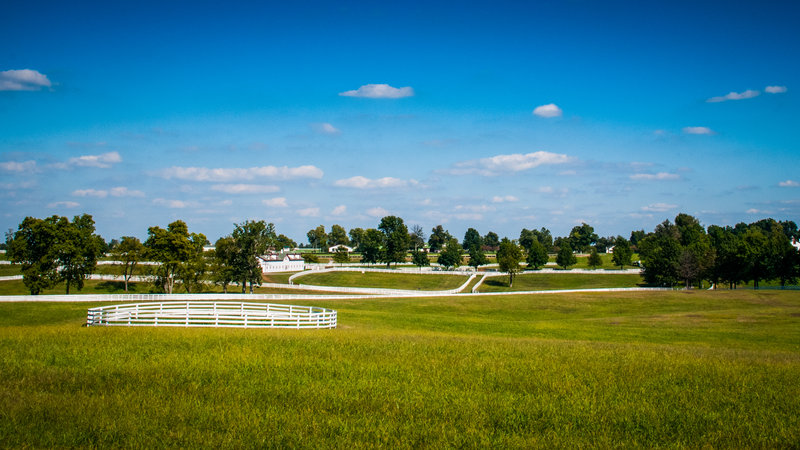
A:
[281, 262]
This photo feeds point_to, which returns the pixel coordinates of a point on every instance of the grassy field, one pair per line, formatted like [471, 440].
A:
[384, 280]
[667, 369]
[552, 281]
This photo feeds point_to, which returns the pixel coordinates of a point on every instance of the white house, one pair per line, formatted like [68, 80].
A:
[337, 247]
[796, 243]
[281, 262]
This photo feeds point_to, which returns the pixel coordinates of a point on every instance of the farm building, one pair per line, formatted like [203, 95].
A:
[335, 248]
[281, 262]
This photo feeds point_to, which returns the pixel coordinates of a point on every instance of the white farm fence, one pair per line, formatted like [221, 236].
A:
[212, 314]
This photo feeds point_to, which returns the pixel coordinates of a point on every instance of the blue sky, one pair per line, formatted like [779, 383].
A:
[492, 115]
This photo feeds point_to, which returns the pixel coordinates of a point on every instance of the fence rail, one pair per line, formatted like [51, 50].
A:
[212, 314]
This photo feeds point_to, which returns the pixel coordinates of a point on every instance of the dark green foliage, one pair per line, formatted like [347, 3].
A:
[420, 258]
[472, 239]
[451, 256]
[318, 238]
[491, 241]
[594, 259]
[180, 255]
[477, 257]
[342, 256]
[582, 237]
[508, 258]
[395, 240]
[337, 236]
[439, 236]
[371, 244]
[129, 251]
[537, 255]
[622, 252]
[565, 257]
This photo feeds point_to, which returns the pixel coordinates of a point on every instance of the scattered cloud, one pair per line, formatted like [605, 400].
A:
[245, 188]
[555, 192]
[248, 173]
[277, 202]
[377, 212]
[325, 128]
[789, 183]
[339, 210]
[698, 130]
[175, 204]
[734, 96]
[775, 89]
[655, 176]
[504, 199]
[101, 161]
[469, 216]
[308, 212]
[504, 164]
[119, 191]
[659, 207]
[14, 166]
[379, 91]
[63, 205]
[359, 182]
[475, 208]
[756, 211]
[90, 193]
[23, 80]
[122, 191]
[547, 111]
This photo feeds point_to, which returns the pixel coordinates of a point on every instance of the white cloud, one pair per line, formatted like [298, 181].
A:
[339, 210]
[359, 182]
[475, 208]
[503, 164]
[379, 91]
[63, 205]
[119, 191]
[90, 193]
[325, 128]
[698, 130]
[659, 207]
[248, 173]
[377, 212]
[789, 183]
[548, 111]
[23, 80]
[655, 176]
[122, 191]
[308, 212]
[504, 198]
[469, 216]
[14, 166]
[175, 204]
[245, 188]
[775, 89]
[734, 96]
[555, 192]
[756, 211]
[277, 202]
[102, 161]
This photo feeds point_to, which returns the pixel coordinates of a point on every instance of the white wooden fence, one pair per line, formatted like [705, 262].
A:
[212, 314]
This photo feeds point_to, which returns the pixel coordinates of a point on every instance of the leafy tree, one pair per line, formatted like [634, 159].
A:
[729, 262]
[78, 248]
[395, 240]
[317, 237]
[544, 237]
[509, 255]
[621, 256]
[477, 257]
[755, 248]
[537, 255]
[636, 236]
[604, 243]
[417, 237]
[594, 260]
[439, 236]
[420, 258]
[32, 246]
[472, 239]
[253, 239]
[337, 236]
[491, 241]
[660, 252]
[223, 262]
[526, 238]
[282, 241]
[582, 237]
[450, 257]
[129, 252]
[356, 236]
[565, 257]
[310, 258]
[175, 249]
[342, 256]
[371, 244]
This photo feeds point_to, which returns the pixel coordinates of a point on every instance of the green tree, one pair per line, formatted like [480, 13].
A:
[477, 257]
[582, 237]
[371, 244]
[509, 255]
[318, 238]
[594, 261]
[342, 256]
[78, 249]
[175, 249]
[416, 237]
[395, 240]
[32, 247]
[420, 258]
[450, 257]
[223, 265]
[622, 253]
[439, 236]
[129, 252]
[337, 236]
[660, 253]
[253, 239]
[356, 236]
[636, 236]
[282, 241]
[472, 239]
[537, 255]
[565, 257]
[491, 241]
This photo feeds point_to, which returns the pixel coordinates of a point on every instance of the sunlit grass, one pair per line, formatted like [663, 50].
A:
[409, 281]
[552, 281]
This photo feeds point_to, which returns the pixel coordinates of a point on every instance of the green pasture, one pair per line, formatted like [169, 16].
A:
[553, 281]
[664, 369]
[412, 281]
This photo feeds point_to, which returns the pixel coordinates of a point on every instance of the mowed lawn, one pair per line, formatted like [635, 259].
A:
[677, 369]
[553, 281]
[410, 281]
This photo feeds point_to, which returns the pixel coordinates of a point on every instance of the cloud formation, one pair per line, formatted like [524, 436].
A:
[734, 96]
[379, 91]
[340, 210]
[63, 205]
[775, 89]
[247, 173]
[359, 182]
[308, 212]
[655, 176]
[377, 212]
[547, 111]
[23, 80]
[245, 188]
[102, 161]
[789, 183]
[175, 204]
[325, 128]
[14, 166]
[659, 207]
[504, 199]
[277, 202]
[698, 130]
[504, 164]
[119, 191]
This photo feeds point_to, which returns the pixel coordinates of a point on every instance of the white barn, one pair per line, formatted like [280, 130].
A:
[281, 262]
[335, 248]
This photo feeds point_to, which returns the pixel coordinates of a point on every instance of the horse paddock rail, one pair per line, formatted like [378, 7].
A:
[212, 314]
